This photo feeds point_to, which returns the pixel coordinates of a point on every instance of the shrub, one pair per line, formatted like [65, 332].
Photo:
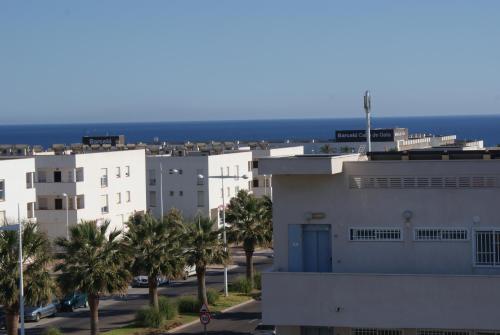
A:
[167, 308]
[149, 317]
[257, 281]
[212, 296]
[51, 331]
[241, 284]
[188, 304]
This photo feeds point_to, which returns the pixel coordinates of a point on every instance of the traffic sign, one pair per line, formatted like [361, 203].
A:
[205, 318]
[204, 309]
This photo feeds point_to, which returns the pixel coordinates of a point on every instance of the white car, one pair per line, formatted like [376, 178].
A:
[188, 271]
[142, 281]
[262, 329]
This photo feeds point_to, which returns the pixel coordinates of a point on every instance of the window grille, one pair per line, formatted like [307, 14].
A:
[422, 182]
[487, 247]
[375, 234]
[442, 332]
[441, 234]
[370, 331]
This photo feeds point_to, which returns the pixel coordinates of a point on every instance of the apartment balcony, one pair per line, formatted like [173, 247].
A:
[381, 300]
[56, 216]
[56, 188]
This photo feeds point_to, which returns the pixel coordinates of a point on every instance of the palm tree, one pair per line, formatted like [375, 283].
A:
[93, 262]
[156, 251]
[204, 247]
[250, 220]
[38, 285]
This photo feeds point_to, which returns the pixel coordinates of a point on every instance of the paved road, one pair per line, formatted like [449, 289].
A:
[115, 312]
[241, 321]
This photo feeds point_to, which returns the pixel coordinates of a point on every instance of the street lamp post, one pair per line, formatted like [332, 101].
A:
[222, 177]
[18, 227]
[67, 214]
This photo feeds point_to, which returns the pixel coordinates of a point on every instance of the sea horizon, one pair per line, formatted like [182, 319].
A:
[476, 127]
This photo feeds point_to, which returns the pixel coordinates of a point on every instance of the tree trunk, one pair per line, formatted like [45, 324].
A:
[94, 314]
[12, 322]
[249, 259]
[202, 288]
[153, 292]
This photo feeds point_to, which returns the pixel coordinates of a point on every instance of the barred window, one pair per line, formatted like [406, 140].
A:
[374, 331]
[487, 247]
[441, 332]
[441, 234]
[375, 234]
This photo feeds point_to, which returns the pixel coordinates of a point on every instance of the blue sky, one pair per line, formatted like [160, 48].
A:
[92, 61]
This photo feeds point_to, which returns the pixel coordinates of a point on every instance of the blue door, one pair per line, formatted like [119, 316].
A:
[317, 248]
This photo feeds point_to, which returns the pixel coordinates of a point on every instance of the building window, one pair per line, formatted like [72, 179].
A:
[441, 234]
[200, 180]
[42, 176]
[375, 234]
[441, 332]
[370, 331]
[228, 171]
[127, 171]
[79, 174]
[29, 179]
[2, 190]
[229, 192]
[255, 183]
[236, 190]
[30, 210]
[201, 199]
[152, 198]
[80, 202]
[118, 172]
[255, 164]
[3, 218]
[43, 204]
[128, 196]
[118, 198]
[104, 177]
[487, 247]
[152, 177]
[171, 193]
[104, 204]
[237, 169]
[249, 166]
[58, 204]
[181, 193]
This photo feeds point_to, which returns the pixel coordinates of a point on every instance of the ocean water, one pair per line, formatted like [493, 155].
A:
[486, 127]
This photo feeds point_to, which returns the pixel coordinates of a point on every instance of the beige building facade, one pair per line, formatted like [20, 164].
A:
[388, 246]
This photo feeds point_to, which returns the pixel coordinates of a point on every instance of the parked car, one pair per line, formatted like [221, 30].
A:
[142, 281]
[33, 313]
[73, 301]
[189, 271]
[262, 329]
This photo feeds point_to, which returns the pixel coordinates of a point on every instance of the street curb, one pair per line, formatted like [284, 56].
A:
[175, 330]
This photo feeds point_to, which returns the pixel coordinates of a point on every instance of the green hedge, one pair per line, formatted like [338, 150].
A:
[149, 317]
[212, 296]
[188, 304]
[51, 331]
[257, 281]
[167, 308]
[241, 285]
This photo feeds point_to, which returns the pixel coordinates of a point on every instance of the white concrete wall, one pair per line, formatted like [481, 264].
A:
[180, 190]
[13, 174]
[265, 181]
[54, 221]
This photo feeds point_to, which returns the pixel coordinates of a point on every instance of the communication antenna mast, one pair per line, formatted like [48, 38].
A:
[368, 107]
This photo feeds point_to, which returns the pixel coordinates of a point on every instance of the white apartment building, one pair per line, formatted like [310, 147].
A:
[103, 185]
[402, 244]
[182, 188]
[17, 190]
[262, 183]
